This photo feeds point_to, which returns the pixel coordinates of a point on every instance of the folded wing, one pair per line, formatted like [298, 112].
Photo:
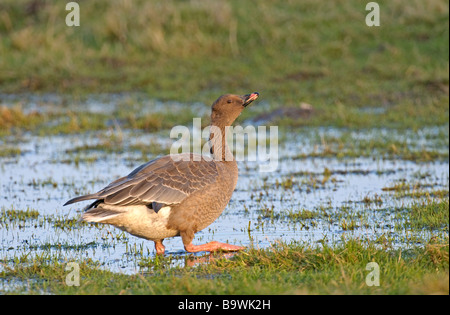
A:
[162, 181]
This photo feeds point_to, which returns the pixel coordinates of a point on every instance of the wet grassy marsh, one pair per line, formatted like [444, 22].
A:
[390, 210]
[284, 269]
[362, 177]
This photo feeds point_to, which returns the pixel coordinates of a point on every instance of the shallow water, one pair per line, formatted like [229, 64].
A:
[48, 172]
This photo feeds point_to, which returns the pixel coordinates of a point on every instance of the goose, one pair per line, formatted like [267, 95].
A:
[177, 194]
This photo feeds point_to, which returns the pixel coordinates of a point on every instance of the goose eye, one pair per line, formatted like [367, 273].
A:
[229, 101]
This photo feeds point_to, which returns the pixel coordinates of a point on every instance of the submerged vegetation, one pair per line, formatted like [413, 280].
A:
[402, 227]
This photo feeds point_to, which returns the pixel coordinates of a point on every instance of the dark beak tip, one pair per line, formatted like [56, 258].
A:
[250, 98]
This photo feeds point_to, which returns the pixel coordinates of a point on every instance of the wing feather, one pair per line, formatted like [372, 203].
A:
[161, 181]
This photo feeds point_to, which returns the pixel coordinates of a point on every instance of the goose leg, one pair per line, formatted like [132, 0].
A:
[159, 247]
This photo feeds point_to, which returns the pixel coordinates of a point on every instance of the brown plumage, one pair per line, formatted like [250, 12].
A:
[177, 194]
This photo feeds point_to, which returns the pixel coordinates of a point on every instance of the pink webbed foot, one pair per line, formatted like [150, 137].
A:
[212, 247]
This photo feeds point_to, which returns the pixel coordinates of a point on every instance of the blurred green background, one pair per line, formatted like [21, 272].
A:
[318, 52]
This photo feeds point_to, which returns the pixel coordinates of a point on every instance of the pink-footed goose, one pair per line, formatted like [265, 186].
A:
[175, 195]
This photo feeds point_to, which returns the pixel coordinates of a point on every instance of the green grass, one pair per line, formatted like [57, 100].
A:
[422, 213]
[9, 151]
[282, 269]
[10, 215]
[393, 144]
[434, 214]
